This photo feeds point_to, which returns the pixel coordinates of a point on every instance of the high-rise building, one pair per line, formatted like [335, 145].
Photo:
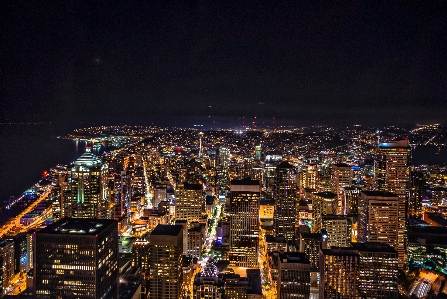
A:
[338, 229]
[323, 203]
[417, 182]
[6, 264]
[293, 275]
[285, 196]
[351, 195]
[77, 258]
[166, 261]
[87, 194]
[379, 218]
[244, 222]
[189, 202]
[339, 278]
[341, 177]
[378, 270]
[392, 174]
[311, 176]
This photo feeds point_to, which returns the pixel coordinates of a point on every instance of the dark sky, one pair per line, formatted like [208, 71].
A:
[149, 60]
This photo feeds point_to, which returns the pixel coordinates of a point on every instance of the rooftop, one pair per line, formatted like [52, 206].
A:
[88, 159]
[379, 193]
[326, 194]
[78, 226]
[167, 229]
[246, 181]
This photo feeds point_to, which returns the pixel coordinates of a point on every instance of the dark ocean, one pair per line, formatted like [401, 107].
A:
[27, 150]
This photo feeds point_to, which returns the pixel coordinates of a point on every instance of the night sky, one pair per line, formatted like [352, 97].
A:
[198, 61]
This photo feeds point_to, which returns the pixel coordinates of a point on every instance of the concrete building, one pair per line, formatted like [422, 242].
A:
[77, 258]
[244, 222]
[166, 261]
[392, 174]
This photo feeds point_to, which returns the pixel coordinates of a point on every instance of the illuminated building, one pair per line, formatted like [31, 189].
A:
[427, 248]
[140, 255]
[77, 258]
[323, 203]
[338, 229]
[339, 273]
[160, 194]
[378, 218]
[120, 196]
[235, 286]
[392, 174]
[6, 264]
[351, 195]
[57, 197]
[285, 195]
[293, 275]
[207, 285]
[88, 195]
[310, 244]
[341, 177]
[378, 270]
[244, 222]
[166, 261]
[311, 176]
[196, 238]
[417, 182]
[189, 202]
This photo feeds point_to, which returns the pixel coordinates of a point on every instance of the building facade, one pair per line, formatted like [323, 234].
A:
[244, 222]
[77, 258]
[392, 174]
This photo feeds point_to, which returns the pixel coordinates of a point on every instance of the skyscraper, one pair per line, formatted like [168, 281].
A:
[293, 275]
[244, 222]
[77, 258]
[87, 194]
[189, 202]
[378, 270]
[392, 171]
[341, 177]
[166, 261]
[338, 229]
[285, 195]
[339, 278]
[6, 264]
[379, 218]
[323, 203]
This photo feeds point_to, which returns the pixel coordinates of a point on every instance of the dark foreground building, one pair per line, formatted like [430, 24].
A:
[77, 258]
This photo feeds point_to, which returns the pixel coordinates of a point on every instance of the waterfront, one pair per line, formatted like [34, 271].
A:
[27, 150]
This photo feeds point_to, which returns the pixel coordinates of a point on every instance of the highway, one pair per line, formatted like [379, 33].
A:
[12, 227]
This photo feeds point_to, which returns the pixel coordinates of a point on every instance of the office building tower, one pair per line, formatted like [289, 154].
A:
[379, 218]
[285, 196]
[351, 195]
[189, 202]
[166, 261]
[338, 229]
[196, 239]
[293, 275]
[77, 258]
[339, 278]
[323, 203]
[6, 264]
[341, 177]
[87, 194]
[378, 270]
[235, 286]
[392, 174]
[244, 222]
[311, 176]
[417, 183]
[140, 255]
